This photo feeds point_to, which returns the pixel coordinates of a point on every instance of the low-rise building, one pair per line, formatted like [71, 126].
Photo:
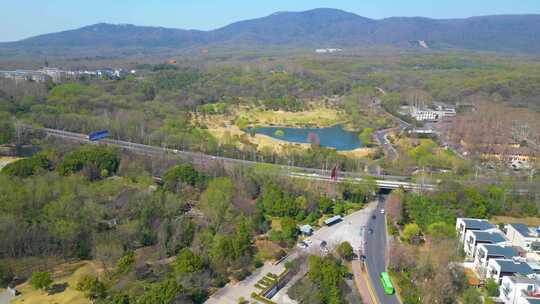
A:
[499, 268]
[474, 237]
[522, 236]
[519, 290]
[465, 224]
[486, 252]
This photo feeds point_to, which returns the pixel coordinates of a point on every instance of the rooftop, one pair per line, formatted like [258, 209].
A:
[522, 229]
[533, 300]
[489, 236]
[523, 280]
[497, 250]
[477, 224]
[511, 266]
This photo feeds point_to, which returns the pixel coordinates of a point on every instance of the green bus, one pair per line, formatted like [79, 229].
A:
[386, 284]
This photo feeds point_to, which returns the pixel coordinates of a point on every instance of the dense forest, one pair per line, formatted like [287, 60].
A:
[94, 203]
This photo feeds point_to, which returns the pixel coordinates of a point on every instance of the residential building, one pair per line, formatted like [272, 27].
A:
[519, 290]
[465, 224]
[522, 236]
[486, 252]
[499, 268]
[475, 237]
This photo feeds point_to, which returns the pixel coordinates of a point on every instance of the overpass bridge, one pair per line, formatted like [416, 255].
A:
[388, 182]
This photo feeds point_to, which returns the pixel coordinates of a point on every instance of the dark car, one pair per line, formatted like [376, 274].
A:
[374, 216]
[370, 231]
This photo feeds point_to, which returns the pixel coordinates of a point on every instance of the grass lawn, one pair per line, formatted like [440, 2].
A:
[70, 273]
[317, 117]
[529, 221]
[267, 250]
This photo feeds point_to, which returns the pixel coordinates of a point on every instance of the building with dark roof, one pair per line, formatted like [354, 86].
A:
[475, 237]
[465, 224]
[499, 268]
[485, 252]
[522, 236]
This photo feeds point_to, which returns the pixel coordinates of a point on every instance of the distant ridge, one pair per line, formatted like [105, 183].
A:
[314, 28]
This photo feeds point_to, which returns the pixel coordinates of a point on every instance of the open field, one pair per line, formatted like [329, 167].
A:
[529, 221]
[69, 273]
[317, 117]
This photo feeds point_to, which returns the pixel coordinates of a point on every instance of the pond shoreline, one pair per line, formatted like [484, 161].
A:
[336, 137]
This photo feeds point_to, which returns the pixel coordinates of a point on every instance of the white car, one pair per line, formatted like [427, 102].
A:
[302, 245]
[382, 211]
[308, 242]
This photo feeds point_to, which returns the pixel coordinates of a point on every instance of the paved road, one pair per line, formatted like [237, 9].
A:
[232, 292]
[376, 252]
[382, 138]
[5, 297]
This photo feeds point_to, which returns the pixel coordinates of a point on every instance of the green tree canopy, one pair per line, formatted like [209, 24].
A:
[99, 161]
[187, 262]
[28, 166]
[345, 251]
[412, 233]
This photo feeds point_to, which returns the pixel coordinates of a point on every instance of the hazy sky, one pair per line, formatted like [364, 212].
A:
[24, 18]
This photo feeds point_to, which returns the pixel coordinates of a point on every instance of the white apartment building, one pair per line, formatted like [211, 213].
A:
[519, 290]
[475, 237]
[465, 224]
[522, 236]
[497, 269]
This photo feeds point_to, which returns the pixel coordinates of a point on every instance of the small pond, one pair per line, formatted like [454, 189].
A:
[331, 137]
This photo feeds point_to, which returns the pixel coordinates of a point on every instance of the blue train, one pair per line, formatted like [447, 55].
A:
[98, 135]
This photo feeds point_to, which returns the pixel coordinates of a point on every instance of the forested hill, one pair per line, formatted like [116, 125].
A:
[314, 28]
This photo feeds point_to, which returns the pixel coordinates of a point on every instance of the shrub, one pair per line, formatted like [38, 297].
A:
[492, 288]
[258, 263]
[92, 287]
[125, 263]
[41, 280]
[187, 262]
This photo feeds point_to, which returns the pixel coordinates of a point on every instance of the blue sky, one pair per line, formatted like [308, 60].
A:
[24, 18]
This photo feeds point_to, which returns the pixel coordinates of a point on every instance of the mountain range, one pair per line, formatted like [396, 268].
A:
[318, 28]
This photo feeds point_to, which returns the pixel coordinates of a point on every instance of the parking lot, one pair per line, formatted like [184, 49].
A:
[350, 229]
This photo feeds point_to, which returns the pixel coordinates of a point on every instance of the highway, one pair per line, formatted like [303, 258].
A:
[376, 252]
[382, 181]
